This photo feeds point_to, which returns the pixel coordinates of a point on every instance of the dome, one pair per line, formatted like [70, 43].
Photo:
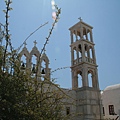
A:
[112, 87]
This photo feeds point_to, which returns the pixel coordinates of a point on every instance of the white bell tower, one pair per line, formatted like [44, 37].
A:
[83, 63]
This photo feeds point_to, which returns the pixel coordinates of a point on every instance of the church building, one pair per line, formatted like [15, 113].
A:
[86, 96]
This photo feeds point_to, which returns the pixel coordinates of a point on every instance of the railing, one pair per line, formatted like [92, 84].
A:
[77, 61]
[89, 60]
[80, 59]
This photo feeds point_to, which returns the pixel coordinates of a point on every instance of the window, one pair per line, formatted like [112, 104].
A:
[67, 110]
[103, 111]
[111, 110]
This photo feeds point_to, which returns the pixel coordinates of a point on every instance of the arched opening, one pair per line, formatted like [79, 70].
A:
[90, 79]
[89, 35]
[78, 37]
[86, 52]
[75, 56]
[23, 62]
[84, 33]
[80, 84]
[80, 52]
[34, 64]
[80, 56]
[43, 69]
[78, 34]
[91, 54]
[74, 37]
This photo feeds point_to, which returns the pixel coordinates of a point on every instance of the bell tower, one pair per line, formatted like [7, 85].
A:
[83, 64]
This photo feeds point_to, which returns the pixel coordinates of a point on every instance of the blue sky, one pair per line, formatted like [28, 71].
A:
[103, 15]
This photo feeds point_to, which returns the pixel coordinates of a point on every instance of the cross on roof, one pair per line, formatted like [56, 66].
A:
[80, 18]
[35, 43]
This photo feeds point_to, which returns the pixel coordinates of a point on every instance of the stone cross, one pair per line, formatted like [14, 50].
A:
[80, 18]
[35, 43]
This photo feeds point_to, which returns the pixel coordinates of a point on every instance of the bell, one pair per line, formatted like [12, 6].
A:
[23, 66]
[43, 71]
[33, 69]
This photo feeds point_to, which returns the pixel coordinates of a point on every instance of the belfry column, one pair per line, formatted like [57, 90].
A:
[86, 35]
[77, 55]
[91, 36]
[71, 34]
[76, 35]
[72, 56]
[85, 77]
[83, 52]
[75, 80]
[81, 32]
[93, 55]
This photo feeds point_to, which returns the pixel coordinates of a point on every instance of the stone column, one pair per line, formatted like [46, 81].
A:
[93, 80]
[30, 62]
[81, 32]
[77, 52]
[88, 54]
[86, 35]
[85, 77]
[74, 80]
[71, 35]
[91, 36]
[27, 62]
[76, 35]
[93, 55]
[72, 57]
[96, 78]
[83, 52]
[73, 86]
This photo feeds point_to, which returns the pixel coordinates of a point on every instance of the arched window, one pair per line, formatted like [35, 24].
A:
[80, 84]
[78, 35]
[86, 52]
[89, 35]
[74, 36]
[91, 54]
[43, 69]
[80, 52]
[75, 56]
[34, 64]
[90, 78]
[24, 58]
[91, 60]
[23, 62]
[84, 33]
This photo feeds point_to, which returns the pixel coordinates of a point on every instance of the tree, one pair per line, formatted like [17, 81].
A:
[22, 96]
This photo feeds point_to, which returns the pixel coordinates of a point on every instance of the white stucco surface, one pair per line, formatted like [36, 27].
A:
[111, 96]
